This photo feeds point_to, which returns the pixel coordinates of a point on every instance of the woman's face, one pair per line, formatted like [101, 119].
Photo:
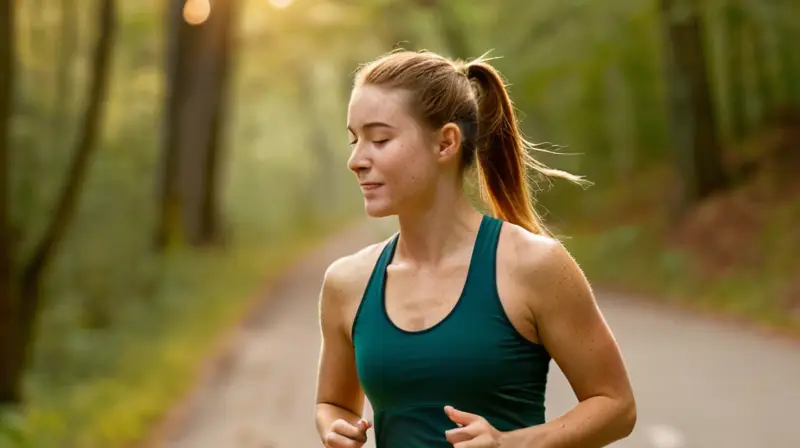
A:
[396, 159]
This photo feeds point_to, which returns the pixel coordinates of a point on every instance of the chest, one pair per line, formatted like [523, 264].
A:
[468, 359]
[417, 299]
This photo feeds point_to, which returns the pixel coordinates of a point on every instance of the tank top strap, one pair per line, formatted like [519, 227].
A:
[372, 299]
[484, 260]
[386, 257]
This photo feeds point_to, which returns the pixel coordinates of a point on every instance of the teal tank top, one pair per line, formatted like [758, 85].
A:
[474, 359]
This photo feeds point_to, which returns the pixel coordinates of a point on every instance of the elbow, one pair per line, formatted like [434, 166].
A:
[627, 417]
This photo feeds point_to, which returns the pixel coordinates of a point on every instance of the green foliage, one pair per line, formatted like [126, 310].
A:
[123, 329]
[636, 258]
[107, 386]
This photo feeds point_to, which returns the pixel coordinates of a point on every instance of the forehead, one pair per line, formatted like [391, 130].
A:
[372, 103]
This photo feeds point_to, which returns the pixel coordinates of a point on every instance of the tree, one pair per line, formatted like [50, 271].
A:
[736, 41]
[20, 296]
[198, 68]
[692, 116]
[9, 331]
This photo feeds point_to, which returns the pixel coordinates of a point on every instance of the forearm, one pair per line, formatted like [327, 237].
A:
[594, 423]
[328, 413]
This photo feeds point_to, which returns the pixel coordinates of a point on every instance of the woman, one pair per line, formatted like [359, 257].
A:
[449, 326]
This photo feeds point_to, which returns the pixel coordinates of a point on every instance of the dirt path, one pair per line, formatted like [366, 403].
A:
[700, 384]
[265, 396]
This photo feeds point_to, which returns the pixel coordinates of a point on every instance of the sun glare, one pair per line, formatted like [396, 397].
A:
[280, 4]
[196, 12]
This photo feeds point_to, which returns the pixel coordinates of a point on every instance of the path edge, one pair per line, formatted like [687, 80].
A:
[213, 366]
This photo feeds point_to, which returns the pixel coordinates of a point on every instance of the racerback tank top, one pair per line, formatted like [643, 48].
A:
[473, 360]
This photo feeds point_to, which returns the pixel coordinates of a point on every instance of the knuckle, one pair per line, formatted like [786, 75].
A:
[330, 440]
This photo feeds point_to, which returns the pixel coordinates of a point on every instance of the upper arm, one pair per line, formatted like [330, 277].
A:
[572, 328]
[337, 381]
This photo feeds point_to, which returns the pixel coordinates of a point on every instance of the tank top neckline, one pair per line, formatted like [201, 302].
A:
[482, 229]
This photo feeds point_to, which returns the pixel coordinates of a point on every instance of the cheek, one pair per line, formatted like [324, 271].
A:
[418, 174]
[413, 178]
[409, 164]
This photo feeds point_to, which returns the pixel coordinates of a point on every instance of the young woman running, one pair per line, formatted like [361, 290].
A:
[449, 326]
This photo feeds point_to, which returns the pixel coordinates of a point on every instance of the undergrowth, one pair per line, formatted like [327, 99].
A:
[151, 360]
[702, 262]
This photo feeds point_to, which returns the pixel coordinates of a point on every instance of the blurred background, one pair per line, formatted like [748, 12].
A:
[161, 161]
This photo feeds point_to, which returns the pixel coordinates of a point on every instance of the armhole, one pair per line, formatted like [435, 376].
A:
[367, 288]
[501, 308]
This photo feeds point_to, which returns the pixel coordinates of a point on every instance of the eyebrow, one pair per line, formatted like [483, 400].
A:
[370, 125]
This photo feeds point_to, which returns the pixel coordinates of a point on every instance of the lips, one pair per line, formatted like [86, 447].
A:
[366, 186]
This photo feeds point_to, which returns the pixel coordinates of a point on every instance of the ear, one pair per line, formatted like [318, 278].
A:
[449, 142]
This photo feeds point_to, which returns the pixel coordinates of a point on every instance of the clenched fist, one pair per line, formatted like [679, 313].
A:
[346, 435]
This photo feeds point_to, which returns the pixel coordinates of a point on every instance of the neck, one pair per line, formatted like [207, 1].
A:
[443, 228]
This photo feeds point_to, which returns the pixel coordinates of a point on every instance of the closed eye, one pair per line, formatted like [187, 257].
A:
[377, 142]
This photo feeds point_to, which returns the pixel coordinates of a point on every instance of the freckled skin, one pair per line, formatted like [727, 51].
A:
[536, 276]
[543, 291]
[404, 163]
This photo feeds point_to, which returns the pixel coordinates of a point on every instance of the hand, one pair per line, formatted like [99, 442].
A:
[346, 435]
[473, 432]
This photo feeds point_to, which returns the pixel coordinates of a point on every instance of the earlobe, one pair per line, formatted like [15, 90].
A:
[450, 142]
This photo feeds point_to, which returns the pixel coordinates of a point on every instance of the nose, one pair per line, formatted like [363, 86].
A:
[359, 160]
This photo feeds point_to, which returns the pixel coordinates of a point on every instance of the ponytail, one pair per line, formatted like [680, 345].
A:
[503, 154]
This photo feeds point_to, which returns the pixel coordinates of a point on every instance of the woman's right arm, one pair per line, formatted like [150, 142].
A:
[339, 394]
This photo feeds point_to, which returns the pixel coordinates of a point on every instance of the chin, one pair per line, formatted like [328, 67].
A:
[377, 210]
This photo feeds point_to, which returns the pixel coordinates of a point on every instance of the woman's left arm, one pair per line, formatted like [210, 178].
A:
[574, 331]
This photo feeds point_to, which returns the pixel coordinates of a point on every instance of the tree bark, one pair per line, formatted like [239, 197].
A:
[692, 115]
[9, 332]
[737, 87]
[194, 127]
[177, 50]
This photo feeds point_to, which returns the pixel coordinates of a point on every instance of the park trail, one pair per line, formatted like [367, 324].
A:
[700, 383]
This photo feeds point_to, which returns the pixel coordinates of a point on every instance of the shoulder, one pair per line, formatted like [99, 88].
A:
[345, 280]
[350, 270]
[543, 267]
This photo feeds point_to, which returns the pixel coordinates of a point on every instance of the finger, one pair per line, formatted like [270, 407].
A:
[474, 443]
[462, 434]
[364, 424]
[334, 440]
[357, 433]
[460, 417]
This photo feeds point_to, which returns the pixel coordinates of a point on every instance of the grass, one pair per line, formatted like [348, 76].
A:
[153, 369]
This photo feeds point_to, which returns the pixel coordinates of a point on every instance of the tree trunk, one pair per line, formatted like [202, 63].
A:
[202, 125]
[177, 51]
[194, 126]
[210, 213]
[692, 112]
[9, 342]
[24, 301]
[737, 87]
